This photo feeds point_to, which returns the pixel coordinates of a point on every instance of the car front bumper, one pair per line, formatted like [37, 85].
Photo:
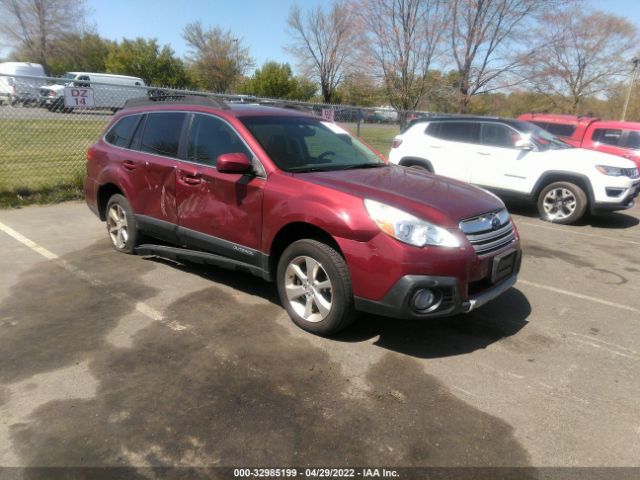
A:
[397, 303]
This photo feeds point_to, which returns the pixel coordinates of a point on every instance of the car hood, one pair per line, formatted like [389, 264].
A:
[428, 196]
[583, 155]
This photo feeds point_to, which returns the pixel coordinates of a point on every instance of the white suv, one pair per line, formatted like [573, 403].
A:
[518, 159]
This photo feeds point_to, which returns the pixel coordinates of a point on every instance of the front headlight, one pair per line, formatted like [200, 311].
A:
[407, 228]
[611, 171]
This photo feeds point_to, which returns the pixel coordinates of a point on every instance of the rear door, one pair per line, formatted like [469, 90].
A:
[219, 212]
[450, 146]
[157, 147]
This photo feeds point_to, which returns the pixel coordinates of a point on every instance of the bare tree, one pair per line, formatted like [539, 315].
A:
[217, 58]
[402, 37]
[486, 41]
[322, 43]
[31, 26]
[583, 54]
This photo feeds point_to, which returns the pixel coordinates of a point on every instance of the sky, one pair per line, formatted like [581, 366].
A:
[260, 24]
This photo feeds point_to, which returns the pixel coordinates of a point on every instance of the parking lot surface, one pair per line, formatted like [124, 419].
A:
[115, 360]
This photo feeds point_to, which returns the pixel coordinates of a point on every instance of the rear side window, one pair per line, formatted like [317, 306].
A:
[120, 134]
[560, 129]
[607, 136]
[162, 133]
[457, 132]
[211, 137]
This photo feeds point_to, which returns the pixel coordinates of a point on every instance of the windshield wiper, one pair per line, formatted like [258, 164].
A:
[362, 165]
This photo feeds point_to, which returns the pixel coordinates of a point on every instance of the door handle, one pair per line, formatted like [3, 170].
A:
[628, 155]
[190, 178]
[484, 153]
[435, 146]
[129, 165]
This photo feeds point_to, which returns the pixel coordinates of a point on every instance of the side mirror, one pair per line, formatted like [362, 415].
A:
[233, 163]
[524, 145]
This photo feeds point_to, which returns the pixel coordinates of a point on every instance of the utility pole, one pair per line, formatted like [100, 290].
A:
[635, 62]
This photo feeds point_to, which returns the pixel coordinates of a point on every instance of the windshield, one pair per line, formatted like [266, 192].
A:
[302, 144]
[543, 139]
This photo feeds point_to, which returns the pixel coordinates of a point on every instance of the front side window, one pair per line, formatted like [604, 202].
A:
[298, 144]
[607, 136]
[120, 134]
[162, 133]
[211, 137]
[497, 135]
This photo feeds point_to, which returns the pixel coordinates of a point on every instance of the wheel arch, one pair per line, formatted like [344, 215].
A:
[293, 232]
[105, 192]
[561, 176]
[411, 161]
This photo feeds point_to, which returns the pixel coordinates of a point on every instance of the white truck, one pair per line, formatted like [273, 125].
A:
[109, 91]
[517, 159]
[17, 84]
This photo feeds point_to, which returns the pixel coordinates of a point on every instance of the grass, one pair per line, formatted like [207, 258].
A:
[42, 161]
[376, 135]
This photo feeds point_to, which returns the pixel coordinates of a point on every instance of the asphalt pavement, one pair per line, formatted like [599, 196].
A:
[116, 360]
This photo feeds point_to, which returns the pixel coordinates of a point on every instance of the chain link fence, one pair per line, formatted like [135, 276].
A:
[43, 142]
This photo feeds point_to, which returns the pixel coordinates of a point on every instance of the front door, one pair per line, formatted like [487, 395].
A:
[497, 163]
[218, 212]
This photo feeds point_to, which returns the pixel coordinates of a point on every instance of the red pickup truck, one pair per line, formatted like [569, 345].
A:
[608, 136]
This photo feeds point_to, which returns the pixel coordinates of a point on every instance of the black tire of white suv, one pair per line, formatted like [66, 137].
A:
[562, 202]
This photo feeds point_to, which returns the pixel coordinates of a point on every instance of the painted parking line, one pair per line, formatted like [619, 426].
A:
[573, 232]
[141, 307]
[581, 297]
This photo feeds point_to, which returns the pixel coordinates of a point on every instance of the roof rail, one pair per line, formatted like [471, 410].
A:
[157, 96]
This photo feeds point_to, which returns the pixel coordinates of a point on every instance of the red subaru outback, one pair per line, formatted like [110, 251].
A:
[292, 198]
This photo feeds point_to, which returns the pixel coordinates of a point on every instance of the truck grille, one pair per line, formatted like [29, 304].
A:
[489, 232]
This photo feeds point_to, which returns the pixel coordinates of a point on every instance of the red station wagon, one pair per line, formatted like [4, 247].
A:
[295, 199]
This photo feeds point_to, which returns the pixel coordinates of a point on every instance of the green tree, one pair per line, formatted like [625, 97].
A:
[85, 52]
[145, 59]
[276, 80]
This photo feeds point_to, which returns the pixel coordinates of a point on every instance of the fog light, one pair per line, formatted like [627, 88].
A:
[423, 299]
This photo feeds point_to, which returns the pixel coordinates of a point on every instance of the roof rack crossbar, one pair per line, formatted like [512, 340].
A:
[156, 97]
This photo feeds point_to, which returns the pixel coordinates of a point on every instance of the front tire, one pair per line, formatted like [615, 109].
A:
[562, 203]
[315, 287]
[121, 224]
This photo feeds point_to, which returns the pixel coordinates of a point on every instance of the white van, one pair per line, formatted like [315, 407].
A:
[109, 91]
[15, 87]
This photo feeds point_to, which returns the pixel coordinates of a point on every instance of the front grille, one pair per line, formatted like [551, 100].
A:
[489, 232]
[44, 92]
[630, 172]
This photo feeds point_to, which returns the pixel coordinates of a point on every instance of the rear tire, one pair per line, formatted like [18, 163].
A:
[315, 287]
[121, 224]
[562, 202]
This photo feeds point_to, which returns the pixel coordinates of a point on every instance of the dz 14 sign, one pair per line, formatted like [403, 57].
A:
[78, 97]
